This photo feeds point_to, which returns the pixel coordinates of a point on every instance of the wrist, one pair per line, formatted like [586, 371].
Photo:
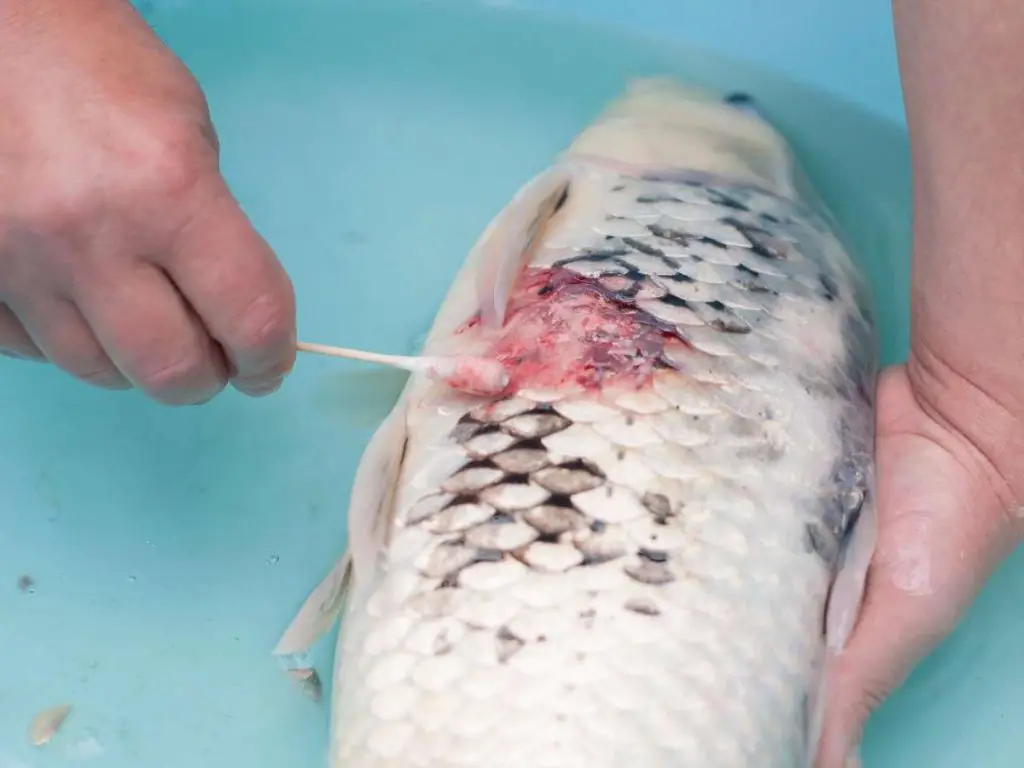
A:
[981, 425]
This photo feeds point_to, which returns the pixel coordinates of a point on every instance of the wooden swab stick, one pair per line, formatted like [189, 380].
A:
[476, 375]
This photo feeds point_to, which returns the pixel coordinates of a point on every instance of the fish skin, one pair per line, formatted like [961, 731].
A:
[635, 571]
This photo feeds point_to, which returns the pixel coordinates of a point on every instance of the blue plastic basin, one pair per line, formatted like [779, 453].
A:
[371, 142]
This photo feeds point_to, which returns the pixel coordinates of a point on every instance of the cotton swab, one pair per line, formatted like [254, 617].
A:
[474, 375]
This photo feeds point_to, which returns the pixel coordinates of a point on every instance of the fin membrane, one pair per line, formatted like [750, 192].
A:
[509, 240]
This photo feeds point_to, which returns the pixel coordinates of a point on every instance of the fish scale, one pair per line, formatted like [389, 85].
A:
[630, 565]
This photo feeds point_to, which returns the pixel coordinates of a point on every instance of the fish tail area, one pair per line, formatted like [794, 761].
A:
[660, 124]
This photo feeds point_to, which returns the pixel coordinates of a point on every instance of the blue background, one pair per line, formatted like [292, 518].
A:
[370, 142]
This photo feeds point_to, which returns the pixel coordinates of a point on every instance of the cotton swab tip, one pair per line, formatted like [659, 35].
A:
[473, 375]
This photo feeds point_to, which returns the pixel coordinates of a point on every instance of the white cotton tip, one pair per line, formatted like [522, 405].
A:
[472, 375]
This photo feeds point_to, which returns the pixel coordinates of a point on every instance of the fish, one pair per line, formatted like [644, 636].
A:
[646, 548]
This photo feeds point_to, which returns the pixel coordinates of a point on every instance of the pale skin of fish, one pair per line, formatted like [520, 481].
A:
[643, 569]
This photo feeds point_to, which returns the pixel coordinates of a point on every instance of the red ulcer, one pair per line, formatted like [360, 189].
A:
[476, 377]
[562, 329]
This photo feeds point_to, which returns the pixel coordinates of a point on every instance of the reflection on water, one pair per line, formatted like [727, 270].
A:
[371, 143]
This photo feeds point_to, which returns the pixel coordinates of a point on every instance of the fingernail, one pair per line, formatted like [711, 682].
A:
[852, 759]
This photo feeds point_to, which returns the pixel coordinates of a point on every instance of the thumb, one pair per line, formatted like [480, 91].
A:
[935, 549]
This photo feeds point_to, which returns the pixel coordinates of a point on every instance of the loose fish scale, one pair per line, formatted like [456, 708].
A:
[631, 577]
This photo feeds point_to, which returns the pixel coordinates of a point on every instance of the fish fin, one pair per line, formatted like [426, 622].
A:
[506, 244]
[845, 600]
[847, 594]
[370, 513]
[320, 610]
[371, 504]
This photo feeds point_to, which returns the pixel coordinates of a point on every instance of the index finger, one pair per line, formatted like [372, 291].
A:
[238, 288]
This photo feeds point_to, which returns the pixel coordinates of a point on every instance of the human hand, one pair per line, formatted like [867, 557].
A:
[124, 258]
[945, 520]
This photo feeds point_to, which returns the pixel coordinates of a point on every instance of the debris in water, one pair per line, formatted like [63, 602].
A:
[86, 748]
[308, 680]
[46, 724]
[26, 583]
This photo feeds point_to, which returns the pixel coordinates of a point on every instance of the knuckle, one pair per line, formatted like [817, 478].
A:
[174, 160]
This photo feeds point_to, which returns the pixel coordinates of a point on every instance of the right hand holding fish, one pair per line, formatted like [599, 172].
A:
[950, 423]
[945, 521]
[124, 258]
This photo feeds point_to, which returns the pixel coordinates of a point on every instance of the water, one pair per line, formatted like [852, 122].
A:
[370, 143]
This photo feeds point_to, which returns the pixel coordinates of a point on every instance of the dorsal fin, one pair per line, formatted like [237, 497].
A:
[506, 244]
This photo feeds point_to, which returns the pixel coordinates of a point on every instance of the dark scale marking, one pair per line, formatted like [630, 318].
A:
[650, 250]
[662, 198]
[508, 644]
[648, 572]
[672, 235]
[501, 518]
[484, 463]
[642, 606]
[462, 498]
[559, 500]
[659, 506]
[730, 325]
[829, 286]
[466, 428]
[748, 280]
[553, 521]
[654, 555]
[600, 547]
[442, 644]
[595, 254]
[719, 197]
[674, 301]
[583, 464]
[761, 242]
[678, 277]
[744, 269]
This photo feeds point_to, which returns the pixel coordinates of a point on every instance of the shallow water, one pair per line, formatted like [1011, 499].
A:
[168, 548]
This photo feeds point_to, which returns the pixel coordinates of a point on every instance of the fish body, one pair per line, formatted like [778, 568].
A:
[641, 550]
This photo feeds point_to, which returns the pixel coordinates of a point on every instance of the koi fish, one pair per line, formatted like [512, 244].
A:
[644, 548]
